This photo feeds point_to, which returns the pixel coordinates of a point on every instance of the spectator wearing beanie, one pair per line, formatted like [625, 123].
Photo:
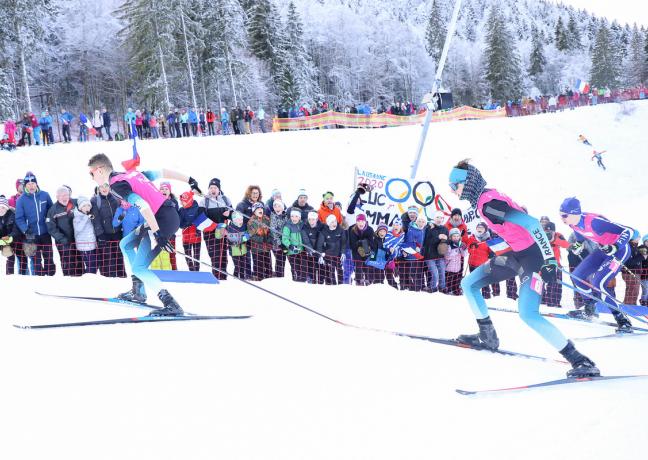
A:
[332, 243]
[60, 226]
[479, 253]
[456, 221]
[84, 235]
[379, 258]
[412, 268]
[104, 208]
[301, 203]
[435, 246]
[454, 257]
[291, 240]
[310, 233]
[328, 207]
[31, 213]
[408, 217]
[191, 236]
[360, 239]
[218, 208]
[237, 238]
[165, 188]
[19, 191]
[258, 227]
[8, 233]
[278, 219]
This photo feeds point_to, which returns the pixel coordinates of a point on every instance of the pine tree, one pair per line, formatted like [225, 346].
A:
[436, 31]
[573, 33]
[537, 59]
[502, 65]
[605, 65]
[635, 66]
[471, 23]
[561, 40]
[263, 30]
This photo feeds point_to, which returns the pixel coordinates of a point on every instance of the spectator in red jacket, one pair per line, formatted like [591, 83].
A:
[456, 221]
[479, 253]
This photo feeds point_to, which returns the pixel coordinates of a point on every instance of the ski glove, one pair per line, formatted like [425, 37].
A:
[609, 249]
[193, 183]
[549, 270]
[577, 248]
[163, 242]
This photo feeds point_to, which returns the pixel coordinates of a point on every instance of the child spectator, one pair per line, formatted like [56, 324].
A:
[189, 212]
[310, 234]
[60, 227]
[412, 267]
[332, 243]
[453, 258]
[278, 219]
[392, 244]
[479, 252]
[291, 239]
[328, 207]
[360, 237]
[456, 221]
[378, 261]
[7, 233]
[435, 246]
[258, 228]
[84, 235]
[238, 238]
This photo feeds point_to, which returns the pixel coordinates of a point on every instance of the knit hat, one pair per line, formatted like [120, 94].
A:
[413, 209]
[361, 217]
[4, 202]
[283, 206]
[381, 226]
[256, 206]
[454, 231]
[550, 227]
[167, 185]
[295, 212]
[187, 196]
[571, 205]
[215, 181]
[397, 221]
[302, 192]
[82, 200]
[312, 214]
[455, 212]
[29, 177]
[19, 182]
[327, 195]
[473, 181]
[482, 225]
[275, 192]
[331, 219]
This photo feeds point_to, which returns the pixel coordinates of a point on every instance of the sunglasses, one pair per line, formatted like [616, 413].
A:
[455, 185]
[564, 216]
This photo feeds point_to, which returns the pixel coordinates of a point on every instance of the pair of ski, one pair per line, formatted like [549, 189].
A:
[126, 320]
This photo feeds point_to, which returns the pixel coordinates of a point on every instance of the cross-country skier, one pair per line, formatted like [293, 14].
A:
[161, 219]
[602, 264]
[530, 257]
[599, 158]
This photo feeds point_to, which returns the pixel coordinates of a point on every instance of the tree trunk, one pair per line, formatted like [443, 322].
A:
[23, 68]
[186, 43]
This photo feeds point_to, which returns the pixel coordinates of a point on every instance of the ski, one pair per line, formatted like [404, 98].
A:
[566, 316]
[607, 336]
[456, 343]
[131, 320]
[128, 303]
[549, 383]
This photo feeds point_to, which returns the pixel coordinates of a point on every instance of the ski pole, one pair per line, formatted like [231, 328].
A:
[590, 296]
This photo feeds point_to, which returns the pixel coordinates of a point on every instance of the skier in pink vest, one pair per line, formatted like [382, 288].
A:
[161, 219]
[530, 257]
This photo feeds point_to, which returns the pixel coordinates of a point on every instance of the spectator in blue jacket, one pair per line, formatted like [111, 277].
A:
[224, 121]
[66, 121]
[171, 121]
[31, 217]
[128, 217]
[129, 118]
[193, 121]
[412, 248]
[83, 127]
[45, 122]
[105, 116]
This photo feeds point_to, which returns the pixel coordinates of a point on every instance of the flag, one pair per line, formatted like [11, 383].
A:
[132, 164]
[582, 86]
[498, 246]
[202, 223]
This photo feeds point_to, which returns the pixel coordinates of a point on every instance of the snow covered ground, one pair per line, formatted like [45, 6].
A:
[288, 384]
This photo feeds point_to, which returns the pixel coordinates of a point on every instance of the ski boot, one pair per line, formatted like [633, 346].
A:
[486, 339]
[588, 312]
[624, 324]
[582, 366]
[137, 293]
[170, 308]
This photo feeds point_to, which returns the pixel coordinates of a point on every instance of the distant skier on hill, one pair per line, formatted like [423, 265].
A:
[529, 256]
[599, 158]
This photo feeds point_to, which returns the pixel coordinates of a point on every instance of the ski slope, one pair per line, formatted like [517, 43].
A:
[288, 384]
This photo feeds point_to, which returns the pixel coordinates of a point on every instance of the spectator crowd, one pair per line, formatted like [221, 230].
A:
[260, 238]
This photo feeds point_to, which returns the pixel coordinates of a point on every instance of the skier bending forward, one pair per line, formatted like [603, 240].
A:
[161, 218]
[530, 257]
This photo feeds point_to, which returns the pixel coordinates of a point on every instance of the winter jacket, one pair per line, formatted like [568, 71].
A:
[215, 207]
[413, 243]
[8, 225]
[558, 242]
[84, 234]
[325, 211]
[332, 242]
[129, 219]
[291, 237]
[453, 257]
[259, 231]
[303, 209]
[277, 222]
[245, 208]
[184, 117]
[224, 117]
[360, 241]
[310, 235]
[45, 122]
[393, 241]
[66, 118]
[129, 118]
[478, 250]
[31, 212]
[462, 227]
[188, 215]
[97, 120]
[431, 241]
[59, 222]
[105, 119]
[192, 117]
[210, 116]
[103, 211]
[237, 238]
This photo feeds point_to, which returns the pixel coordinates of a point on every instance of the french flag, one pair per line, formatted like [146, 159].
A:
[498, 246]
[582, 86]
[204, 223]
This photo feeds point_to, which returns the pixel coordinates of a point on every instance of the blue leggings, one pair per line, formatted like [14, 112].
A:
[501, 268]
[137, 249]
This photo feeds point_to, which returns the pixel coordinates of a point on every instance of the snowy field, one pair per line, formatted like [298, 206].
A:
[288, 384]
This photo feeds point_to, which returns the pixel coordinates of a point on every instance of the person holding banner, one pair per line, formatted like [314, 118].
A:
[529, 256]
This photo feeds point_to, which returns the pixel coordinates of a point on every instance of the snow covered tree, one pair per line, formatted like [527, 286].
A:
[573, 34]
[561, 40]
[605, 65]
[471, 23]
[502, 65]
[537, 60]
[635, 65]
[436, 31]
